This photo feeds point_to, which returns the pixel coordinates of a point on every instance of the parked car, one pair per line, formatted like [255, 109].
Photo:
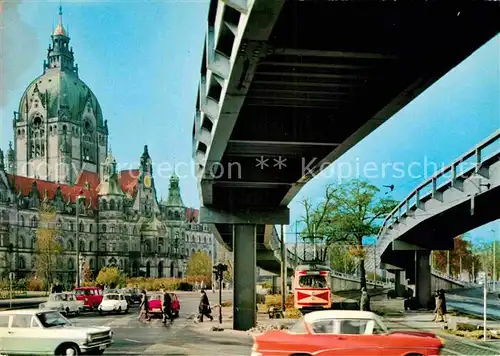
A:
[113, 302]
[91, 296]
[133, 294]
[66, 303]
[345, 332]
[48, 332]
[128, 294]
[155, 304]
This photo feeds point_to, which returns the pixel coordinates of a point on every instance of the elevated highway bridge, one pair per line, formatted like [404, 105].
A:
[286, 87]
[455, 200]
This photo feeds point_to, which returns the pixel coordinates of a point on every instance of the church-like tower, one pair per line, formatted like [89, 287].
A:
[59, 128]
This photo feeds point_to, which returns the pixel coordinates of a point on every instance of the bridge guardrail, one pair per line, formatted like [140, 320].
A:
[276, 247]
[414, 198]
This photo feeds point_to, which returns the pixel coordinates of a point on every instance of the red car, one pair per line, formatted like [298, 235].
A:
[346, 333]
[155, 301]
[91, 296]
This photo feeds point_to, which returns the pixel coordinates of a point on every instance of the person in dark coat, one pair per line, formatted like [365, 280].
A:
[364, 302]
[144, 309]
[204, 307]
[167, 307]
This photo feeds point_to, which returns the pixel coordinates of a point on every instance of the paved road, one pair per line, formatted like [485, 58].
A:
[471, 301]
[132, 337]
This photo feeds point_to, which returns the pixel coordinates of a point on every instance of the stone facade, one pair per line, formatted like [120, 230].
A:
[61, 156]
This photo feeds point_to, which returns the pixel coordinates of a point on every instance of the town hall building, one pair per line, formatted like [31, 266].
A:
[61, 155]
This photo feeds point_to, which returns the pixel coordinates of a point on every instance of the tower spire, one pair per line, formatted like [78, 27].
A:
[60, 31]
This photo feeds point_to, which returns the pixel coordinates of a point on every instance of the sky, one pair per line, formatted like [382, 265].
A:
[142, 61]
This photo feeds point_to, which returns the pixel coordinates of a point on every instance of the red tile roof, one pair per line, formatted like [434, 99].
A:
[87, 177]
[128, 180]
[23, 185]
[192, 215]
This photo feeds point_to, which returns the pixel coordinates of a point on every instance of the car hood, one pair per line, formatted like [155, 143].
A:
[90, 330]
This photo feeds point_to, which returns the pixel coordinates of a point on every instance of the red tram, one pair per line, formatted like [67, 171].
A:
[311, 288]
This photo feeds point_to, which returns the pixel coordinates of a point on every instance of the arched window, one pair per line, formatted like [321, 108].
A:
[22, 262]
[177, 215]
[111, 204]
[90, 227]
[21, 219]
[91, 246]
[80, 227]
[91, 264]
[70, 245]
[103, 227]
[22, 243]
[204, 239]
[71, 264]
[71, 226]
[82, 245]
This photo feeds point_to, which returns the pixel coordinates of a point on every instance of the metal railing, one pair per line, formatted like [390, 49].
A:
[413, 200]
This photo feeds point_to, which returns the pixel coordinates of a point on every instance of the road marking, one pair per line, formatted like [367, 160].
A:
[138, 342]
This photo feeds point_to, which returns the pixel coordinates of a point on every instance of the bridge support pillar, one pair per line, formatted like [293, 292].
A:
[245, 258]
[400, 283]
[423, 277]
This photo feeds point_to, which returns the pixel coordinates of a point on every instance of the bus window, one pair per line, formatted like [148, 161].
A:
[313, 282]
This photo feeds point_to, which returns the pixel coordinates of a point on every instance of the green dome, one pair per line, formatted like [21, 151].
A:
[61, 89]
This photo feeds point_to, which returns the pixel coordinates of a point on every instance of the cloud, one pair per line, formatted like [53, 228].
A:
[18, 44]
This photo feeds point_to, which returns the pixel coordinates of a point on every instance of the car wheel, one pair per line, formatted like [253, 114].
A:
[68, 350]
[126, 310]
[100, 312]
[77, 313]
[119, 310]
[414, 354]
[67, 311]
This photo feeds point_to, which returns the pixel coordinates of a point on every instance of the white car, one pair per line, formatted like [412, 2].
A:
[113, 302]
[65, 303]
[48, 332]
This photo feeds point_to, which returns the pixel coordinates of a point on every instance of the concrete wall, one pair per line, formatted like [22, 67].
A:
[439, 283]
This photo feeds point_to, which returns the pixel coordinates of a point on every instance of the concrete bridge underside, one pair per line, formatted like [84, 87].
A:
[294, 85]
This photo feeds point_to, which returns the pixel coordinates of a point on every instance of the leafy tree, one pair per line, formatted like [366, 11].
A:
[484, 256]
[110, 277]
[47, 246]
[461, 256]
[228, 275]
[87, 272]
[199, 264]
[341, 259]
[349, 211]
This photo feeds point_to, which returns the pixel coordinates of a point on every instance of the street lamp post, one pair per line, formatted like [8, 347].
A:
[494, 263]
[78, 198]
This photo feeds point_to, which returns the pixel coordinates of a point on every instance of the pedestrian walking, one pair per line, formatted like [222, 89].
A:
[167, 307]
[204, 307]
[364, 302]
[144, 310]
[438, 311]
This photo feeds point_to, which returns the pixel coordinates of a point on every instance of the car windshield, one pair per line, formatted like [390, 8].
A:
[57, 297]
[111, 297]
[82, 291]
[313, 282]
[51, 319]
